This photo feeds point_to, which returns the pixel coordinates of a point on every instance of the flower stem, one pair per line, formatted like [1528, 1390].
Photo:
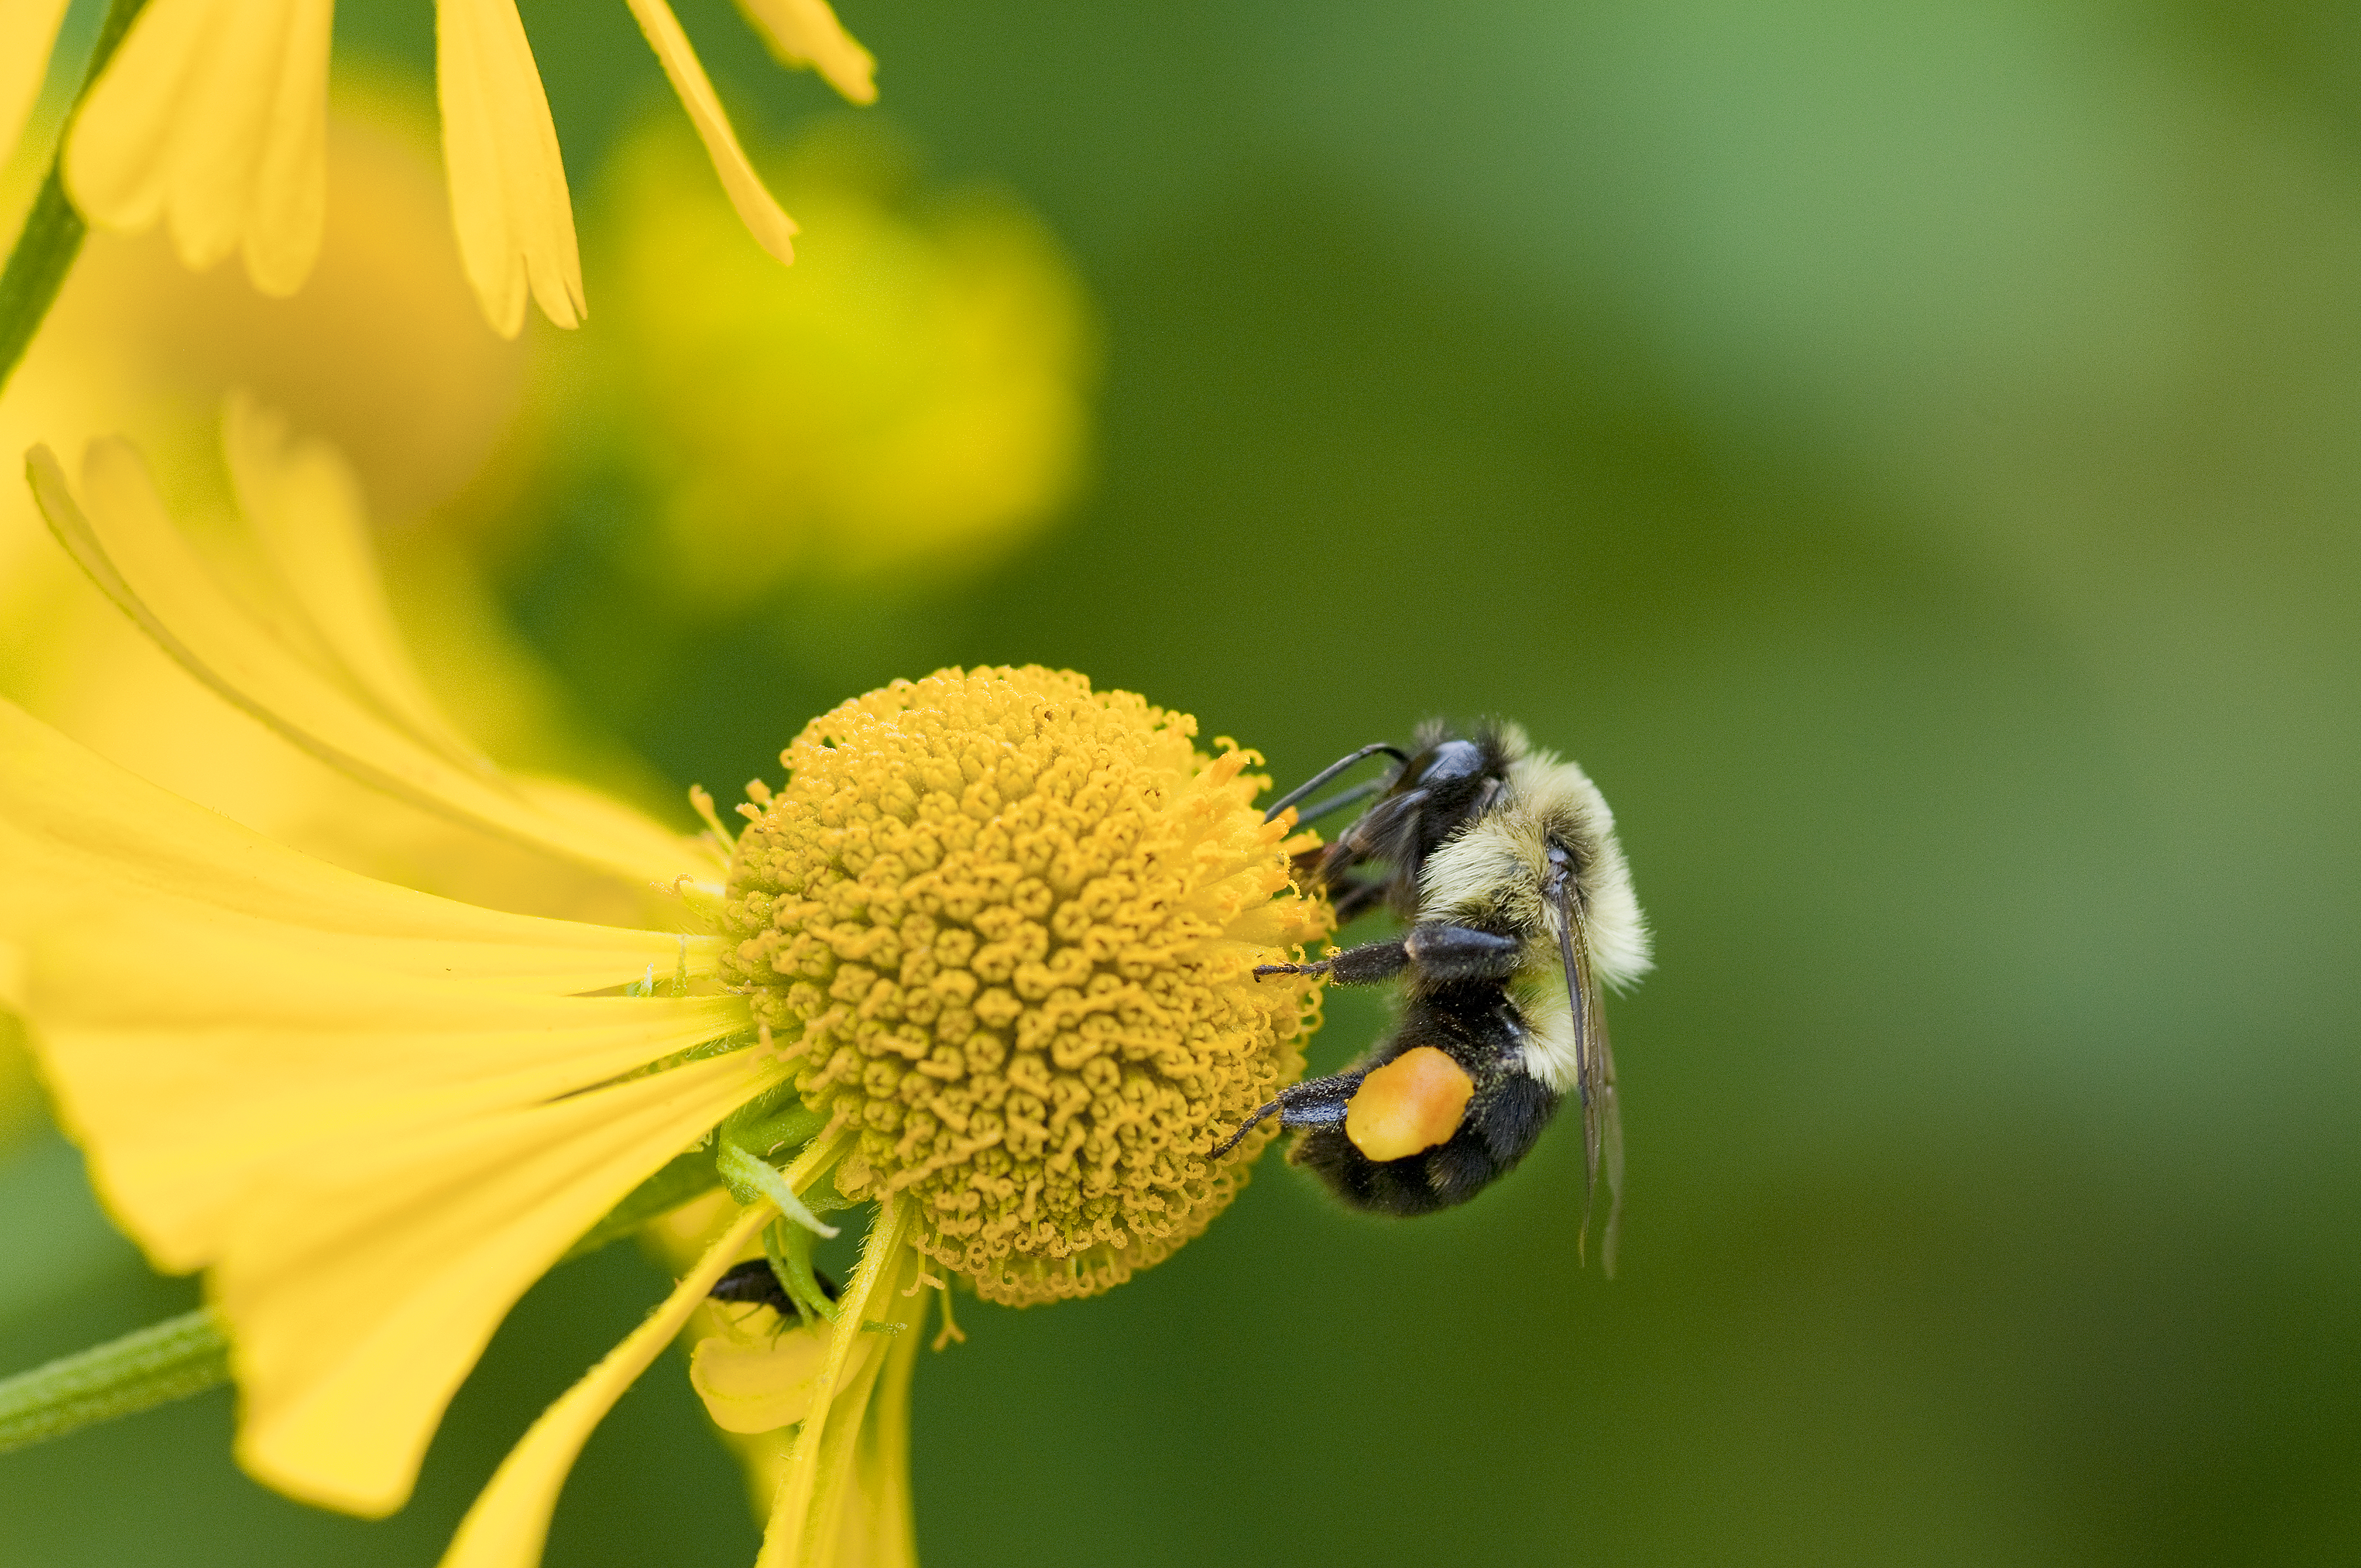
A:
[53, 231]
[149, 1367]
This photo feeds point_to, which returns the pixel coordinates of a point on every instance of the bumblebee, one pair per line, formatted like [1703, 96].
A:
[1503, 860]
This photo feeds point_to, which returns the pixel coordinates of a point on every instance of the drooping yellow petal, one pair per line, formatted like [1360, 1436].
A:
[806, 33]
[759, 1384]
[360, 1291]
[28, 31]
[807, 1512]
[879, 1527]
[188, 1117]
[215, 1013]
[376, 1147]
[763, 215]
[212, 116]
[510, 1521]
[304, 503]
[508, 181]
[127, 544]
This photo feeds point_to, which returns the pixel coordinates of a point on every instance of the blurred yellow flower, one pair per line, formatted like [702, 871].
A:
[375, 1116]
[915, 404]
[211, 117]
[137, 344]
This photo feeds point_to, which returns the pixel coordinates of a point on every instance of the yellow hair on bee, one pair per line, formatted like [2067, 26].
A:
[1492, 871]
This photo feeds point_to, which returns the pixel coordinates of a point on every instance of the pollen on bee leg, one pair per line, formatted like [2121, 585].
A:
[1409, 1105]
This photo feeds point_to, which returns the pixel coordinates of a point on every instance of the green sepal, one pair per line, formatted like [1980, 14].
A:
[773, 1120]
[752, 1178]
[789, 1249]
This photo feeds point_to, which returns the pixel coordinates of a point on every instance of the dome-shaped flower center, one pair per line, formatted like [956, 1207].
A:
[1010, 925]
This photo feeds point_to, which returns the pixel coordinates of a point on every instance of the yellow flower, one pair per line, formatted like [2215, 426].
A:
[137, 343]
[912, 403]
[374, 1118]
[1013, 928]
[211, 119]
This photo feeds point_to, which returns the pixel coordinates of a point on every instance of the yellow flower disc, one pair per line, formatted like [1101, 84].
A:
[1010, 925]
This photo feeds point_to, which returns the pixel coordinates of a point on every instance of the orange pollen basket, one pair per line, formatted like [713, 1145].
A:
[1411, 1105]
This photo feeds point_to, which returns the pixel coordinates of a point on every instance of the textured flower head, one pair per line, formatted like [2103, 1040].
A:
[1010, 925]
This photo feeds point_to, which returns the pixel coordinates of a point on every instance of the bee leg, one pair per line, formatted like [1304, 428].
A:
[1363, 965]
[1314, 1102]
[1462, 952]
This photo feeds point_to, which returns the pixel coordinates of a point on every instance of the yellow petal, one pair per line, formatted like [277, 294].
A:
[510, 1521]
[186, 1119]
[762, 216]
[879, 1527]
[127, 544]
[213, 115]
[806, 33]
[215, 1012]
[360, 1292]
[78, 835]
[626, 837]
[28, 31]
[304, 503]
[807, 1512]
[509, 200]
[760, 1383]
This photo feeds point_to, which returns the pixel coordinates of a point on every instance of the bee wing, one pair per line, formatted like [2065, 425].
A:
[1602, 1119]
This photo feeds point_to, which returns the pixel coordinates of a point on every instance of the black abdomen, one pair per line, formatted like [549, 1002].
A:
[1478, 1027]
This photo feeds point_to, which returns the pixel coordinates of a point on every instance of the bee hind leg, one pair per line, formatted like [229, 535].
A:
[1314, 1102]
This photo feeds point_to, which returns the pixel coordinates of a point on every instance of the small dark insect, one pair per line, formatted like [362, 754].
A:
[1503, 859]
[756, 1284]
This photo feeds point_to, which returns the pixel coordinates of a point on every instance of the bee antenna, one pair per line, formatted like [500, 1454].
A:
[1330, 772]
[1340, 800]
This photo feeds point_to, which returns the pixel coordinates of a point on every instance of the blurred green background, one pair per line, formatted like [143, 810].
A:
[1910, 452]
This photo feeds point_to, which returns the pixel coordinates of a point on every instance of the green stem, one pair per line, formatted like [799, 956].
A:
[53, 231]
[154, 1365]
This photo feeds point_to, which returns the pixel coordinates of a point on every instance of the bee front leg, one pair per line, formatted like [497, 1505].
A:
[1363, 965]
[1437, 950]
